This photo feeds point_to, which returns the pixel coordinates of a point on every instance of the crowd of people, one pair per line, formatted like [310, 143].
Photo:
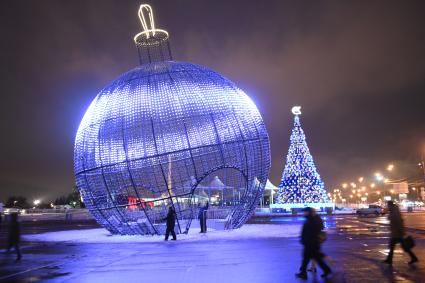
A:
[312, 237]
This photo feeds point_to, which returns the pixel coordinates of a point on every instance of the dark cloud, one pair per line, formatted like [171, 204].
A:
[357, 68]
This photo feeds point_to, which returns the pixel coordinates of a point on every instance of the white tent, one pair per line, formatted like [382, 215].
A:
[270, 190]
[269, 186]
[218, 185]
[199, 190]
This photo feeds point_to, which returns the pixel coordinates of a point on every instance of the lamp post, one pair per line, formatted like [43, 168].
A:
[36, 202]
[422, 165]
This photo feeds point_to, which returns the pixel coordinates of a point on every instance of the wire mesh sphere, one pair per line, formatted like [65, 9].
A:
[171, 134]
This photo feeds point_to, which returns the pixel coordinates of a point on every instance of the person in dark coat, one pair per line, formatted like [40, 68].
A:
[171, 221]
[325, 257]
[397, 233]
[310, 234]
[14, 236]
[202, 215]
[1, 214]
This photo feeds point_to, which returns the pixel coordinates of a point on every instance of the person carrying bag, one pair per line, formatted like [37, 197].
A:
[397, 235]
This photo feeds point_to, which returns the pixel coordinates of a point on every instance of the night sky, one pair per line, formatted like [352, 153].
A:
[357, 68]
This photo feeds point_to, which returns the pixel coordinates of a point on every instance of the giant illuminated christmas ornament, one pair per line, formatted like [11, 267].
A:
[170, 133]
[301, 184]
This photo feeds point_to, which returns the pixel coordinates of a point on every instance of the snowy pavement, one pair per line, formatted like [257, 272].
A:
[100, 235]
[255, 253]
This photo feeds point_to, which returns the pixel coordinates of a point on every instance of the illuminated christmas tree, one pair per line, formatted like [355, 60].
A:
[301, 183]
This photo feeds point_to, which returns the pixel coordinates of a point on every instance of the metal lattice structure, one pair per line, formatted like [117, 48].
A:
[170, 134]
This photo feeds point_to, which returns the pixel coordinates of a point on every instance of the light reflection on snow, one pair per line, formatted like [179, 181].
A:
[100, 235]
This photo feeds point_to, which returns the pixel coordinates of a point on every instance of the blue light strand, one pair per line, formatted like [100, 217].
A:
[159, 126]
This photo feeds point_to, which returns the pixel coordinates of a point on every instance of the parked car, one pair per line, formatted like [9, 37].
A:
[8, 211]
[344, 210]
[64, 206]
[371, 210]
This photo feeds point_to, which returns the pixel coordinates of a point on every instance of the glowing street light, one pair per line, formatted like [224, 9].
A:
[344, 185]
[378, 176]
[37, 202]
[372, 185]
[390, 167]
[361, 179]
[353, 184]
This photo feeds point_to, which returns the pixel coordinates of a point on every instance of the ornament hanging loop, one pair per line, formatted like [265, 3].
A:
[145, 14]
[152, 43]
[150, 35]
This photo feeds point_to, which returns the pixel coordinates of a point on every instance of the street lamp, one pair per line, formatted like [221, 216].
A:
[378, 176]
[372, 185]
[390, 167]
[37, 202]
[361, 179]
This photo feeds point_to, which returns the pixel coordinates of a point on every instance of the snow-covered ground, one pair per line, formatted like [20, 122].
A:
[100, 235]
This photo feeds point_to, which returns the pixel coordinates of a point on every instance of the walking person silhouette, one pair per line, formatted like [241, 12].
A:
[397, 233]
[202, 215]
[171, 222]
[310, 239]
[14, 235]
